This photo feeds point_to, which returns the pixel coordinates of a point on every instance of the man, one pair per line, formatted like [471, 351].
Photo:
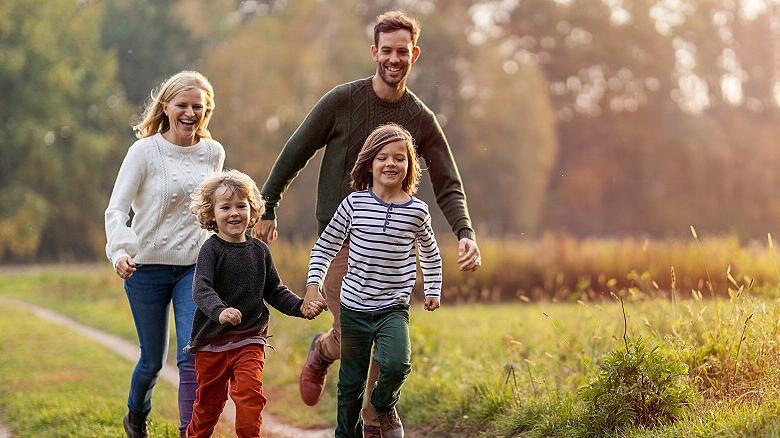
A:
[340, 122]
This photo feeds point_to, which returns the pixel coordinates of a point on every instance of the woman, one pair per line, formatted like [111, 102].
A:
[156, 255]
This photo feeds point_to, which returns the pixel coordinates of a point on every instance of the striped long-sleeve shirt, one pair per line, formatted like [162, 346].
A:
[384, 241]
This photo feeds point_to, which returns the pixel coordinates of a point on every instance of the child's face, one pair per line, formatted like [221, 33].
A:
[231, 213]
[390, 165]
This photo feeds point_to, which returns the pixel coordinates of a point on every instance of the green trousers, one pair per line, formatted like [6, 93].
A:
[389, 330]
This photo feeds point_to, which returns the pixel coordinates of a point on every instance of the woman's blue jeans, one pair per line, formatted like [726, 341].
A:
[150, 291]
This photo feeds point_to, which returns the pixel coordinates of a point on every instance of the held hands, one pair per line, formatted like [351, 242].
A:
[230, 315]
[469, 259]
[313, 302]
[265, 230]
[431, 304]
[125, 267]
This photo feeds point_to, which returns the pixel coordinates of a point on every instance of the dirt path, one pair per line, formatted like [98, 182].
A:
[272, 427]
[4, 432]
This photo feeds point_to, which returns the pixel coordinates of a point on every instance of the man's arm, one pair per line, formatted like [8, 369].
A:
[311, 135]
[450, 196]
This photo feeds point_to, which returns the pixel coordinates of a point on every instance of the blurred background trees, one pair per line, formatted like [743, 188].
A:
[589, 117]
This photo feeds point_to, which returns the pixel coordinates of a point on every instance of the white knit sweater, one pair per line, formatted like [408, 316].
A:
[156, 179]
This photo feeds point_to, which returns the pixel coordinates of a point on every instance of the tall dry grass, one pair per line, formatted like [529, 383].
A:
[563, 268]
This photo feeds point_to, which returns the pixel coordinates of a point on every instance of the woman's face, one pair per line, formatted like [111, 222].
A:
[185, 115]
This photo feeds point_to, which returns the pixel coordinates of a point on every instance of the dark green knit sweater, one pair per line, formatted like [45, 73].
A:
[340, 122]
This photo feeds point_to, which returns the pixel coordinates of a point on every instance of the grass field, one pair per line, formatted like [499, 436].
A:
[56, 383]
[505, 370]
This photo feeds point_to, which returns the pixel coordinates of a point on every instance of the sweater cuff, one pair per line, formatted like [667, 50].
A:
[467, 233]
[215, 314]
[269, 214]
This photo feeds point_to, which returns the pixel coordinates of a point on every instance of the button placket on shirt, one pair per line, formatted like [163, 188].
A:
[387, 217]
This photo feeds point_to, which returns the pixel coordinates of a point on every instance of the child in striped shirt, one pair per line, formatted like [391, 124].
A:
[387, 228]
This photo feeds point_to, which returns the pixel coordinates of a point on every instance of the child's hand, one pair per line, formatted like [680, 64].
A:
[313, 302]
[431, 303]
[230, 315]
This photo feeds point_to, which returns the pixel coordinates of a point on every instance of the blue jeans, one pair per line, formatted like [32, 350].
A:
[150, 291]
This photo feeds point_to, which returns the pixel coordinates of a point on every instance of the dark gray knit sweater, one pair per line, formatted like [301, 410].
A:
[242, 276]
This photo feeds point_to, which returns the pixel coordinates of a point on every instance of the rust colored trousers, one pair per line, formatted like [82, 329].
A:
[240, 370]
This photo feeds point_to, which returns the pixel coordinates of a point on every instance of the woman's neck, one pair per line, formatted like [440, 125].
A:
[179, 141]
[391, 195]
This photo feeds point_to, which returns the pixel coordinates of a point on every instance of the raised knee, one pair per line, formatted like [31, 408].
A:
[396, 370]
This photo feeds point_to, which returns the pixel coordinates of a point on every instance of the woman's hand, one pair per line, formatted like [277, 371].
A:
[230, 315]
[125, 267]
[431, 304]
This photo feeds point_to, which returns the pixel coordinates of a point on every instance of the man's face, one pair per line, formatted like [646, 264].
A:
[394, 56]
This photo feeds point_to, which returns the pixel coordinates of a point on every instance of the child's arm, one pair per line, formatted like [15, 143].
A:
[276, 293]
[430, 263]
[325, 249]
[206, 298]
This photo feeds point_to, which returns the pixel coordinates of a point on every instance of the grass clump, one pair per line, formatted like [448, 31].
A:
[637, 387]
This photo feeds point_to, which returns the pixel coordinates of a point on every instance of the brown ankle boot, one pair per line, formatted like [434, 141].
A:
[312, 381]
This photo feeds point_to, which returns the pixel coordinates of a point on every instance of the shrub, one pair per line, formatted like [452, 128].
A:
[636, 387]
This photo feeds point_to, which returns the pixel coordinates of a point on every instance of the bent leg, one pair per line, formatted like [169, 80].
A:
[213, 372]
[393, 353]
[246, 390]
[329, 344]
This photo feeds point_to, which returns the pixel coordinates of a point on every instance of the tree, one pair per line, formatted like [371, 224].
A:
[65, 118]
[150, 41]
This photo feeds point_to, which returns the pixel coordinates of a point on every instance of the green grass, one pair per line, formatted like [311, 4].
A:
[512, 369]
[56, 383]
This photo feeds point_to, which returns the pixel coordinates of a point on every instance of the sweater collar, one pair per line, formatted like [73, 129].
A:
[386, 103]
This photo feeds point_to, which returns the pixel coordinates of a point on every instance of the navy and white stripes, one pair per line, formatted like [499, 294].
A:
[384, 241]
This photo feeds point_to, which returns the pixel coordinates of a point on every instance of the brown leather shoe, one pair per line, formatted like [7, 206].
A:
[371, 431]
[390, 424]
[312, 381]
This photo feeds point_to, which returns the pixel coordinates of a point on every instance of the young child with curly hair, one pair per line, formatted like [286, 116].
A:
[234, 279]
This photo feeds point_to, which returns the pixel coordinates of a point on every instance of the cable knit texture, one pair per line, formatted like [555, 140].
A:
[239, 275]
[342, 119]
[156, 179]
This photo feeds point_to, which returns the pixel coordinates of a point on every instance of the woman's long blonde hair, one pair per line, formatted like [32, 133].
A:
[154, 120]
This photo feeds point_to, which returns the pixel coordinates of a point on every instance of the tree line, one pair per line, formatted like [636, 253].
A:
[585, 117]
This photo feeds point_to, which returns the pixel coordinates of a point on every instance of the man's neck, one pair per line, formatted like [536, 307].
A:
[387, 92]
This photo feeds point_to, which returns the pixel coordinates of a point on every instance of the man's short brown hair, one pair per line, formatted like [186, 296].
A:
[392, 21]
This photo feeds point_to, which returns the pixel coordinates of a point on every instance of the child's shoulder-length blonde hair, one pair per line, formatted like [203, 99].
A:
[154, 120]
[237, 183]
[379, 138]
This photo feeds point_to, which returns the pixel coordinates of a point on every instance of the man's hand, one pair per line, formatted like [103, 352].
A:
[469, 259]
[431, 304]
[230, 315]
[265, 230]
[125, 267]
[313, 302]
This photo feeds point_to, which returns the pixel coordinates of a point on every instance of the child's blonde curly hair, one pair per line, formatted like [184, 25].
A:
[238, 183]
